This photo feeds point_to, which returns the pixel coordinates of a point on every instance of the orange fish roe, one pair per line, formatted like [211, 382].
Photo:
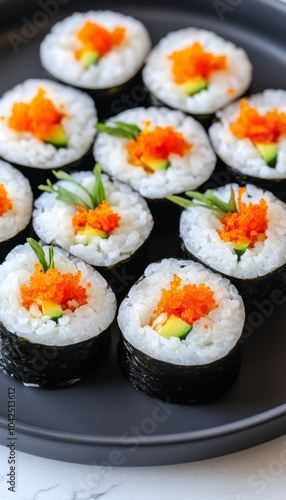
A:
[98, 39]
[102, 217]
[248, 225]
[5, 202]
[194, 61]
[54, 286]
[190, 303]
[258, 128]
[38, 116]
[156, 144]
[231, 90]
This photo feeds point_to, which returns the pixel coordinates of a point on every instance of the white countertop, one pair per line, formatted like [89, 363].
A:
[257, 473]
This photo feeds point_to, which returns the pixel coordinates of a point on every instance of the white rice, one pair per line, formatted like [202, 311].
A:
[19, 192]
[85, 322]
[52, 221]
[25, 149]
[115, 68]
[202, 345]
[241, 154]
[158, 75]
[198, 229]
[187, 172]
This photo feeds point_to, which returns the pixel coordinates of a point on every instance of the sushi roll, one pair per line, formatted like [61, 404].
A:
[16, 202]
[98, 49]
[157, 151]
[45, 125]
[181, 326]
[55, 312]
[102, 222]
[239, 232]
[196, 71]
[250, 137]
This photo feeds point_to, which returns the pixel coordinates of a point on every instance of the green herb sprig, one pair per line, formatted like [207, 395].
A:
[38, 249]
[96, 195]
[208, 200]
[120, 129]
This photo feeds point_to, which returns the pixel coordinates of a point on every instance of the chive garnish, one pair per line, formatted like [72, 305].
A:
[208, 200]
[120, 129]
[96, 195]
[38, 249]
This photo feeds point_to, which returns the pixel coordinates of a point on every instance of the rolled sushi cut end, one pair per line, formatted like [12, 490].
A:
[98, 49]
[194, 363]
[16, 201]
[196, 71]
[46, 125]
[55, 316]
[102, 222]
[250, 137]
[157, 151]
[247, 244]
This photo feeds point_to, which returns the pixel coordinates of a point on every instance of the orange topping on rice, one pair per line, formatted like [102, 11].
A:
[5, 202]
[156, 144]
[258, 128]
[189, 303]
[61, 288]
[194, 61]
[248, 225]
[98, 39]
[231, 90]
[102, 217]
[39, 116]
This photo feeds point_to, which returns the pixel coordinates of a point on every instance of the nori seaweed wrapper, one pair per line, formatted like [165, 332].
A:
[276, 185]
[49, 366]
[250, 289]
[179, 383]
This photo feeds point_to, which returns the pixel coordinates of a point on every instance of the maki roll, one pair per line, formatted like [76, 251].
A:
[45, 125]
[157, 151]
[181, 324]
[196, 71]
[98, 49]
[239, 232]
[93, 218]
[250, 137]
[16, 201]
[54, 315]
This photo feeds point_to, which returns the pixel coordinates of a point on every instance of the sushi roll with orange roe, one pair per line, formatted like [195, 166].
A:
[55, 312]
[157, 151]
[250, 137]
[239, 232]
[196, 71]
[100, 50]
[45, 125]
[181, 326]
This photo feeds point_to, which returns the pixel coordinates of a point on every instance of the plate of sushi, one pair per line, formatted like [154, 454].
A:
[143, 229]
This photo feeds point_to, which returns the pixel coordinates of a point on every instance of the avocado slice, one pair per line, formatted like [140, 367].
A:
[240, 248]
[57, 136]
[268, 152]
[154, 165]
[90, 231]
[89, 57]
[175, 327]
[52, 309]
[194, 85]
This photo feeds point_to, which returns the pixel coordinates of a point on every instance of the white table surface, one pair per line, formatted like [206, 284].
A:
[257, 473]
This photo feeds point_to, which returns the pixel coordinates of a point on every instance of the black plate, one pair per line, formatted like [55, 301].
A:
[103, 420]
